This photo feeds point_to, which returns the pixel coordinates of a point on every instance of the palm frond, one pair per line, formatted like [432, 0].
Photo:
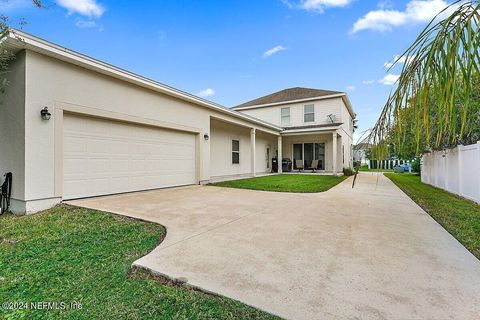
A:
[434, 95]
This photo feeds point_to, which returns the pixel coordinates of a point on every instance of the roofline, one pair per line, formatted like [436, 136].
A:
[21, 40]
[330, 96]
[308, 130]
[342, 95]
[346, 99]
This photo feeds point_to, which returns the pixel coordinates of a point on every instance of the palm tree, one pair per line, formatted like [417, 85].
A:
[436, 102]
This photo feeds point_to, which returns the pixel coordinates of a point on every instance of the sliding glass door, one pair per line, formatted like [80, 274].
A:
[307, 155]
[307, 152]
[297, 154]
[320, 155]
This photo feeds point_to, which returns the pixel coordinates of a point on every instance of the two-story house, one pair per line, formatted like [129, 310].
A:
[72, 127]
[317, 126]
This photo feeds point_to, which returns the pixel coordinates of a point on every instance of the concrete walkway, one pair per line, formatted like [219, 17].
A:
[366, 253]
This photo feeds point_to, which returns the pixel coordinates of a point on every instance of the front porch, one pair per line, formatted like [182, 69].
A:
[316, 152]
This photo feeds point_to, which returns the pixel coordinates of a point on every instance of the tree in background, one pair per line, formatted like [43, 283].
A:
[5, 55]
[436, 102]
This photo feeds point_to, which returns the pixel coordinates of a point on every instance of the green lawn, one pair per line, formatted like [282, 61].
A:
[70, 254]
[457, 215]
[365, 168]
[285, 183]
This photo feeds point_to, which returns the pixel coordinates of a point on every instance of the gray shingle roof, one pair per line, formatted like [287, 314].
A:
[289, 94]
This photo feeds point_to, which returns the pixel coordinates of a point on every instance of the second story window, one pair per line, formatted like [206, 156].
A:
[308, 113]
[285, 115]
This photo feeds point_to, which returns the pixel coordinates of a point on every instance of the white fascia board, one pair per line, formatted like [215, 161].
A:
[21, 40]
[310, 130]
[347, 102]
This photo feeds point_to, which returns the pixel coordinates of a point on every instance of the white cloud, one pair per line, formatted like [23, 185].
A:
[368, 82]
[287, 3]
[416, 11]
[206, 93]
[320, 5]
[86, 24]
[272, 51]
[88, 8]
[388, 64]
[397, 60]
[350, 88]
[316, 5]
[385, 4]
[389, 79]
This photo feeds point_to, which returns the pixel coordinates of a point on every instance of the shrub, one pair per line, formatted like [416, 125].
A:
[348, 172]
[416, 165]
[357, 164]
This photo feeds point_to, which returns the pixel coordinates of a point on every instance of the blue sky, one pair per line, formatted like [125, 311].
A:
[234, 51]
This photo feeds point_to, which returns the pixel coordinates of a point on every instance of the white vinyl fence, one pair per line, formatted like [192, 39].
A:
[456, 170]
[386, 164]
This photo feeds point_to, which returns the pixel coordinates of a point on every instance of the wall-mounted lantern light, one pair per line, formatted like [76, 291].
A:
[45, 114]
[206, 137]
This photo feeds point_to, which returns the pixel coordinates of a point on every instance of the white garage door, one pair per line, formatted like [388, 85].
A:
[105, 157]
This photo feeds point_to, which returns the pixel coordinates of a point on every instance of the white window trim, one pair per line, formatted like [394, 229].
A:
[232, 151]
[289, 116]
[305, 113]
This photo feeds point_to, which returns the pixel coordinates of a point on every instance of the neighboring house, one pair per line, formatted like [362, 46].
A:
[360, 153]
[112, 131]
[317, 125]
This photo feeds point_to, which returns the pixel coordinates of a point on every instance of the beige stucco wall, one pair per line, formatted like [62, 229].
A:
[262, 142]
[346, 131]
[222, 134]
[323, 108]
[12, 128]
[54, 83]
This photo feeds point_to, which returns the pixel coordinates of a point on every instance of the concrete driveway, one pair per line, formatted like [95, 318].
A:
[366, 253]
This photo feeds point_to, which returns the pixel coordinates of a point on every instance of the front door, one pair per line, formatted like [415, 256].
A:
[267, 156]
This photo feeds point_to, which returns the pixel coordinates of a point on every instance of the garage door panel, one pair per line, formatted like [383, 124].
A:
[74, 144]
[74, 166]
[100, 146]
[118, 166]
[105, 157]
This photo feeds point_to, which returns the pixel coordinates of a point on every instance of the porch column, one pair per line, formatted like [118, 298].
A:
[252, 151]
[279, 157]
[334, 152]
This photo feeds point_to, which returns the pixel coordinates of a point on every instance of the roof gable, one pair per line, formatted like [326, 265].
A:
[290, 94]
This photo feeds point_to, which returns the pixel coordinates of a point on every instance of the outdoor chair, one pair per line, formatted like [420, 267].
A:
[314, 165]
[299, 165]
